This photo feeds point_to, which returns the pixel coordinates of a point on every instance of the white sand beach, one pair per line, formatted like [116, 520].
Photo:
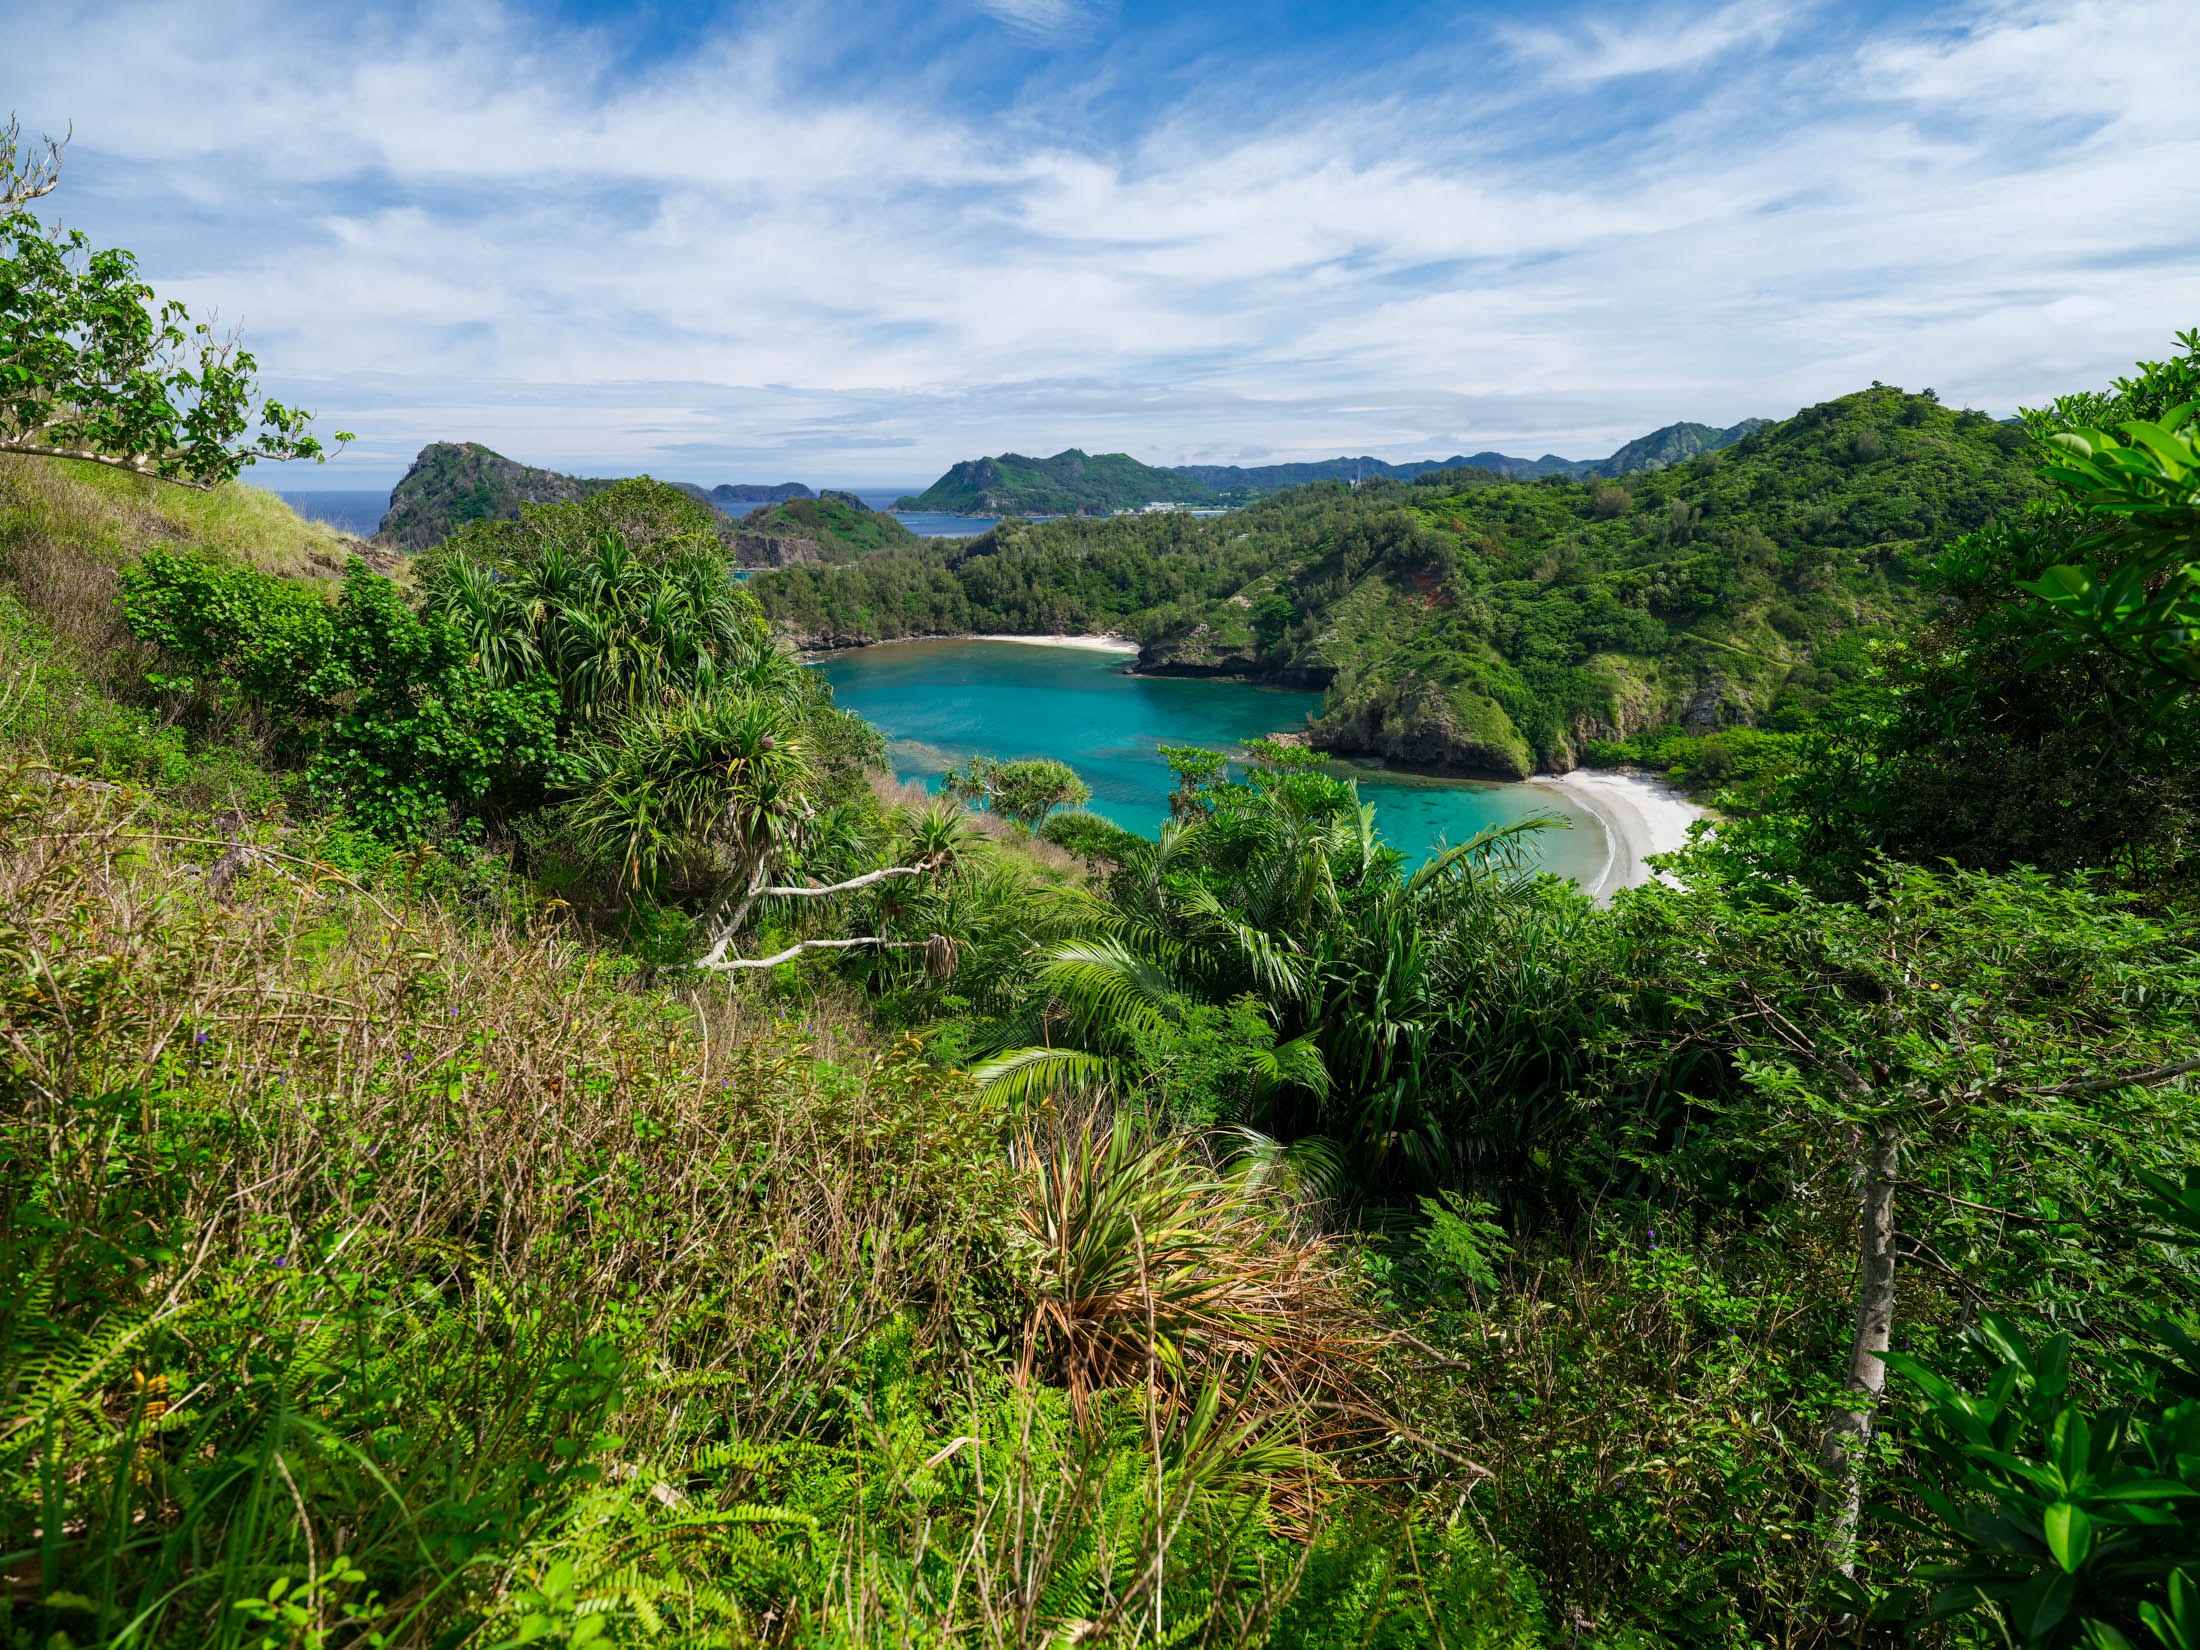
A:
[1641, 815]
[1091, 644]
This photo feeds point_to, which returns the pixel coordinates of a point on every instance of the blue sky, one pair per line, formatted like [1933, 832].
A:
[849, 244]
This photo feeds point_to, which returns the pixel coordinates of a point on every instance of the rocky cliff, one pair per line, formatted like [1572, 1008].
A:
[453, 483]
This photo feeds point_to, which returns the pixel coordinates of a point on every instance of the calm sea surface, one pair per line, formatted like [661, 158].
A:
[359, 513]
[941, 703]
[356, 512]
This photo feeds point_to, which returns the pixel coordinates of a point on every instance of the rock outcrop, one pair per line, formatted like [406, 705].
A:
[1455, 731]
[1199, 649]
[771, 549]
[453, 483]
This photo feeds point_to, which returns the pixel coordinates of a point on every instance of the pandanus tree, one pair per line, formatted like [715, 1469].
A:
[1276, 893]
[621, 635]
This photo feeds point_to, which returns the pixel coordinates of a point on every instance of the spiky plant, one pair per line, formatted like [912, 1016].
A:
[708, 790]
[619, 633]
[1152, 1265]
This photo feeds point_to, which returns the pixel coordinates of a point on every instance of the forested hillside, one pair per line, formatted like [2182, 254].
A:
[514, 1131]
[843, 527]
[1667, 445]
[1070, 483]
[1475, 625]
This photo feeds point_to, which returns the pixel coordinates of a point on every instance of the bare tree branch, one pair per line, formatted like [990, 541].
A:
[864, 881]
[715, 961]
[22, 178]
[2130, 1079]
[135, 466]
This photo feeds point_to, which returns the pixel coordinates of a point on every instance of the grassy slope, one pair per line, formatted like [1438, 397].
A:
[72, 678]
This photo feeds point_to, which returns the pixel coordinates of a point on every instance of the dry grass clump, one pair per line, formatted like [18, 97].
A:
[1154, 1267]
[391, 1075]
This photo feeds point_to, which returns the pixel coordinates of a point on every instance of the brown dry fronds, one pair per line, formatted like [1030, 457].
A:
[1152, 1265]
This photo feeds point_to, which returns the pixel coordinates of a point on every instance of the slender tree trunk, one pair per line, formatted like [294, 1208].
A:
[1849, 1432]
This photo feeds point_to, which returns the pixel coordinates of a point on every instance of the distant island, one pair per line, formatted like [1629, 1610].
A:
[453, 484]
[749, 492]
[1073, 482]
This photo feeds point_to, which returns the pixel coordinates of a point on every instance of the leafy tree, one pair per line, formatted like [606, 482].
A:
[1902, 1030]
[382, 704]
[2035, 718]
[2136, 597]
[1025, 792]
[94, 367]
[2151, 391]
[414, 732]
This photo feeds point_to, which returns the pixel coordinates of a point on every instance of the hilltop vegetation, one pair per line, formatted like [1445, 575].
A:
[843, 527]
[1068, 484]
[513, 1131]
[453, 484]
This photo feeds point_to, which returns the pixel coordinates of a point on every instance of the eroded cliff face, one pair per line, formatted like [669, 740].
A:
[771, 549]
[1202, 649]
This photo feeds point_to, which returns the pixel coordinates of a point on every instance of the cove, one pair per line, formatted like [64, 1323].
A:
[942, 702]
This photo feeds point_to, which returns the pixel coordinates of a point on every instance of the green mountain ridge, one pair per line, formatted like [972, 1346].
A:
[1074, 482]
[1669, 445]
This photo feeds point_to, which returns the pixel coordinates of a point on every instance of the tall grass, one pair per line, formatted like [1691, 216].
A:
[370, 1271]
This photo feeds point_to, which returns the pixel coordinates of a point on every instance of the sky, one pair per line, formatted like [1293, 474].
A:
[852, 244]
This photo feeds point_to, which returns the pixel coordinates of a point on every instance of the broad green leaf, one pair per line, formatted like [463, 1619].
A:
[2069, 1534]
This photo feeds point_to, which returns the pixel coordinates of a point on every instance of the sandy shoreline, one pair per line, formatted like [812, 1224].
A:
[1641, 815]
[1091, 644]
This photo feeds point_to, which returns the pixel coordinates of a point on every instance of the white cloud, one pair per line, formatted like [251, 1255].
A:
[461, 227]
[1046, 20]
[1651, 43]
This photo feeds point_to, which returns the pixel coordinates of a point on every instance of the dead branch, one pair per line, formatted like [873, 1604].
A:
[2130, 1079]
[717, 961]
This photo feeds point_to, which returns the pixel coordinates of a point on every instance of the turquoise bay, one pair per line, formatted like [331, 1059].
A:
[942, 702]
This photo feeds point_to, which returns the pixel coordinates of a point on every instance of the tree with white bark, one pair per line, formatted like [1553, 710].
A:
[1950, 1042]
